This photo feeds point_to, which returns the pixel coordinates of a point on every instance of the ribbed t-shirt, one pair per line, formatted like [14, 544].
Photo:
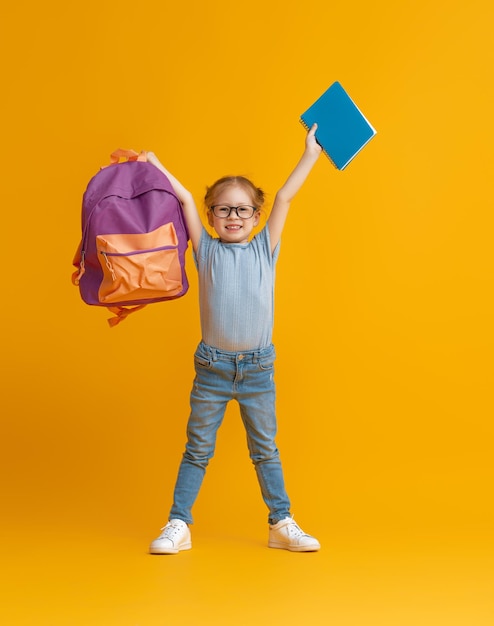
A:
[236, 292]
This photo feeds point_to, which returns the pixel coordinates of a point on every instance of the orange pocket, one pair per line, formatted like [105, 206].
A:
[139, 266]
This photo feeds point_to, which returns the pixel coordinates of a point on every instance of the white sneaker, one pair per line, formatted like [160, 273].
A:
[175, 537]
[288, 535]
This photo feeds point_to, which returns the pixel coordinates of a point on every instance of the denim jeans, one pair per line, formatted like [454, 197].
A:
[248, 378]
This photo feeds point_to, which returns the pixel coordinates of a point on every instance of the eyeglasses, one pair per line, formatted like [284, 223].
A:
[243, 211]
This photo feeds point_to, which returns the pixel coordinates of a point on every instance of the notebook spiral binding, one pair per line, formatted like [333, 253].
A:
[325, 152]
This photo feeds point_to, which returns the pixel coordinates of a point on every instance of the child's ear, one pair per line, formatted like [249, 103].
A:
[210, 218]
[257, 218]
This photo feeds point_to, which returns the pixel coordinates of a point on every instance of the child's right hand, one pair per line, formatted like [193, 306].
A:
[191, 214]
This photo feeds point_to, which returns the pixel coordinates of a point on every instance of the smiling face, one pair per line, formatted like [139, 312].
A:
[233, 229]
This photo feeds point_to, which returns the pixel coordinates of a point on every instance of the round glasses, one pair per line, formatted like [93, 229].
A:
[243, 211]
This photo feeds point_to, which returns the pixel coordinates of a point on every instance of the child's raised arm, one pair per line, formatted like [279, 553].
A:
[192, 219]
[294, 182]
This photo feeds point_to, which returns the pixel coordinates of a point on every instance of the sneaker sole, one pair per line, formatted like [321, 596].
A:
[284, 546]
[185, 546]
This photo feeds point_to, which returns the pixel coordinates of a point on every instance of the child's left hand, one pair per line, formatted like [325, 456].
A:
[311, 144]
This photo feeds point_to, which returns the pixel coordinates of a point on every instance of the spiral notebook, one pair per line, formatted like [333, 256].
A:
[342, 129]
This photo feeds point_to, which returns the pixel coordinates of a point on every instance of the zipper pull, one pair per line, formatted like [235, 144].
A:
[76, 276]
[109, 266]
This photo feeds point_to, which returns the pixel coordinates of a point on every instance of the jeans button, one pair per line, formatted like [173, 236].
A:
[240, 357]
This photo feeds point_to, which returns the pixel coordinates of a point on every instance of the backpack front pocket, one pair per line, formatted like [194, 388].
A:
[139, 266]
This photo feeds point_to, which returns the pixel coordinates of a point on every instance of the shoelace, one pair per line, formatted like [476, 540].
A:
[294, 530]
[169, 531]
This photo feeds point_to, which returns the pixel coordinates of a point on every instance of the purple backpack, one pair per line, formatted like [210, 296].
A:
[134, 238]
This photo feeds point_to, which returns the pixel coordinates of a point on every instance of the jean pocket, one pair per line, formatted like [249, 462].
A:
[200, 362]
[266, 363]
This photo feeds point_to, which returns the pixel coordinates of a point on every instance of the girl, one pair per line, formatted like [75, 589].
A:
[235, 358]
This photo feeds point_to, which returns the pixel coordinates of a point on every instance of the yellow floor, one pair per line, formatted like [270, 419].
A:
[97, 576]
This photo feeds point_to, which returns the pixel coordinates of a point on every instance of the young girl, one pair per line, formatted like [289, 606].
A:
[235, 358]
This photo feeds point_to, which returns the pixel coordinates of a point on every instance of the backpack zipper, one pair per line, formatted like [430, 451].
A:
[132, 253]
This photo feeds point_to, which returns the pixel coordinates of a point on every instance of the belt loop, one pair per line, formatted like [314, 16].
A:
[214, 354]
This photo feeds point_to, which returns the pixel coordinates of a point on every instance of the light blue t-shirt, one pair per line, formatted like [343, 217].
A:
[236, 292]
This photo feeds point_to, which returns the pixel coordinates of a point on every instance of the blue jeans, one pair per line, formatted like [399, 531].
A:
[248, 378]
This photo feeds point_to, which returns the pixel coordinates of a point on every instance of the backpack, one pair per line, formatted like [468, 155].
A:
[134, 238]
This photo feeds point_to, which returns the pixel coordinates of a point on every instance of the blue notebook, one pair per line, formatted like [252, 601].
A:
[342, 129]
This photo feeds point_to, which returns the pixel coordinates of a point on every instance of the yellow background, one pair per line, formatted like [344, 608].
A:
[384, 311]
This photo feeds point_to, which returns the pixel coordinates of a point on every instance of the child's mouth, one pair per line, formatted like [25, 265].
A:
[233, 227]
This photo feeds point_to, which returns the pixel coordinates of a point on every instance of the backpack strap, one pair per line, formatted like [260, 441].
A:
[130, 155]
[121, 312]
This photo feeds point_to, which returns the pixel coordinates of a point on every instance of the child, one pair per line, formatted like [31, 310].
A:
[235, 357]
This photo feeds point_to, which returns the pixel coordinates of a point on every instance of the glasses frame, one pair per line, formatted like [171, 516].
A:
[234, 208]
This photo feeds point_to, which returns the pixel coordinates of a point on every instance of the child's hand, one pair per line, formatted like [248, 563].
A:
[311, 144]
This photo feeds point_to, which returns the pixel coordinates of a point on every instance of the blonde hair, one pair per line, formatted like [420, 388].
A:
[256, 193]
